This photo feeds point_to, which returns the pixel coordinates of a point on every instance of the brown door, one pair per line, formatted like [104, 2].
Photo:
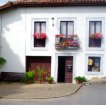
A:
[34, 63]
[68, 69]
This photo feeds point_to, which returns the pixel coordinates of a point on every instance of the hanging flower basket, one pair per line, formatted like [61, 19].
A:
[40, 35]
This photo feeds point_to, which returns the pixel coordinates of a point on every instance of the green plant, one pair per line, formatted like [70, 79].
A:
[40, 73]
[50, 79]
[80, 79]
[2, 61]
[29, 77]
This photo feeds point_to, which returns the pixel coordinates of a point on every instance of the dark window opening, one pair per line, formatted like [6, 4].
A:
[94, 27]
[39, 27]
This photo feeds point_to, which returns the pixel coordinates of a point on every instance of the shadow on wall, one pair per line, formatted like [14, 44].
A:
[11, 47]
[14, 63]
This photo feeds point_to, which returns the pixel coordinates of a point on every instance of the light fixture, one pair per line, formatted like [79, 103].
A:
[52, 21]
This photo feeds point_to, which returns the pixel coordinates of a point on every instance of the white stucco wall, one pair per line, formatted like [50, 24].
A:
[13, 40]
[80, 15]
[17, 37]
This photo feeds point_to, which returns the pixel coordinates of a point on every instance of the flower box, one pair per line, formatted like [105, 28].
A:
[96, 36]
[40, 35]
[69, 43]
[39, 39]
[67, 48]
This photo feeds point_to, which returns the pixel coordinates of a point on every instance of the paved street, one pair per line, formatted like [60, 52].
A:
[94, 94]
[36, 91]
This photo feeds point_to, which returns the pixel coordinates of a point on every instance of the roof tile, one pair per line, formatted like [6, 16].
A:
[51, 3]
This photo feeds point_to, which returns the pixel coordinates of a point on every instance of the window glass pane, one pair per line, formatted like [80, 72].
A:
[91, 27]
[63, 28]
[97, 61]
[43, 27]
[94, 64]
[36, 27]
[98, 27]
[70, 28]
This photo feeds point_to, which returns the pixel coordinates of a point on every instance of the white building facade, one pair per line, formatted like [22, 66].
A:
[23, 52]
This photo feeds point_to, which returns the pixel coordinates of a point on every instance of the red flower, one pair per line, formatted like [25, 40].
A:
[97, 36]
[40, 35]
[60, 35]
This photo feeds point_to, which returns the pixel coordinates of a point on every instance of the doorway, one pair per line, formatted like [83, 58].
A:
[65, 69]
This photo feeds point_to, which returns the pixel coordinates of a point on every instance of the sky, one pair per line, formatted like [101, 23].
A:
[4, 1]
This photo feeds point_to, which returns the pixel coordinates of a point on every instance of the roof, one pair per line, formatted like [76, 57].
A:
[51, 3]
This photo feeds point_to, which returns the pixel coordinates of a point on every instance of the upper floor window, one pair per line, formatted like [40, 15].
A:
[95, 30]
[40, 32]
[67, 28]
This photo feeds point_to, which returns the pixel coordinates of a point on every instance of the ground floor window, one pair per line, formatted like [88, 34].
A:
[94, 64]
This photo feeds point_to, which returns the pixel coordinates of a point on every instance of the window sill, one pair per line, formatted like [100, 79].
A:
[94, 73]
[39, 48]
[67, 48]
[94, 48]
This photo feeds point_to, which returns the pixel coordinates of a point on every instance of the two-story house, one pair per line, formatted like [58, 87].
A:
[65, 37]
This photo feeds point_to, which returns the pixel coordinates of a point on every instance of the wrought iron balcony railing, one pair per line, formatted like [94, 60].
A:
[63, 43]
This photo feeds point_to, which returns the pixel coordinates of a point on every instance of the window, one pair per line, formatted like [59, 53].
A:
[39, 27]
[94, 28]
[94, 64]
[66, 28]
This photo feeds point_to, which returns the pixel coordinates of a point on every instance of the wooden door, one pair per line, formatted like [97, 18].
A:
[34, 63]
[68, 69]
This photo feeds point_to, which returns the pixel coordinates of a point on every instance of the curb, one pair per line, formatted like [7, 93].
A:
[75, 90]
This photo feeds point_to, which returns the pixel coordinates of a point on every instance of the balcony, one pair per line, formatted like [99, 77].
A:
[69, 43]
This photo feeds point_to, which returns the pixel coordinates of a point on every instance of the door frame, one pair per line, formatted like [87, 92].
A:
[74, 64]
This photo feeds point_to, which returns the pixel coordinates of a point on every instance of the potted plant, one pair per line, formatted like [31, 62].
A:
[2, 61]
[29, 77]
[50, 79]
[80, 79]
[40, 74]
